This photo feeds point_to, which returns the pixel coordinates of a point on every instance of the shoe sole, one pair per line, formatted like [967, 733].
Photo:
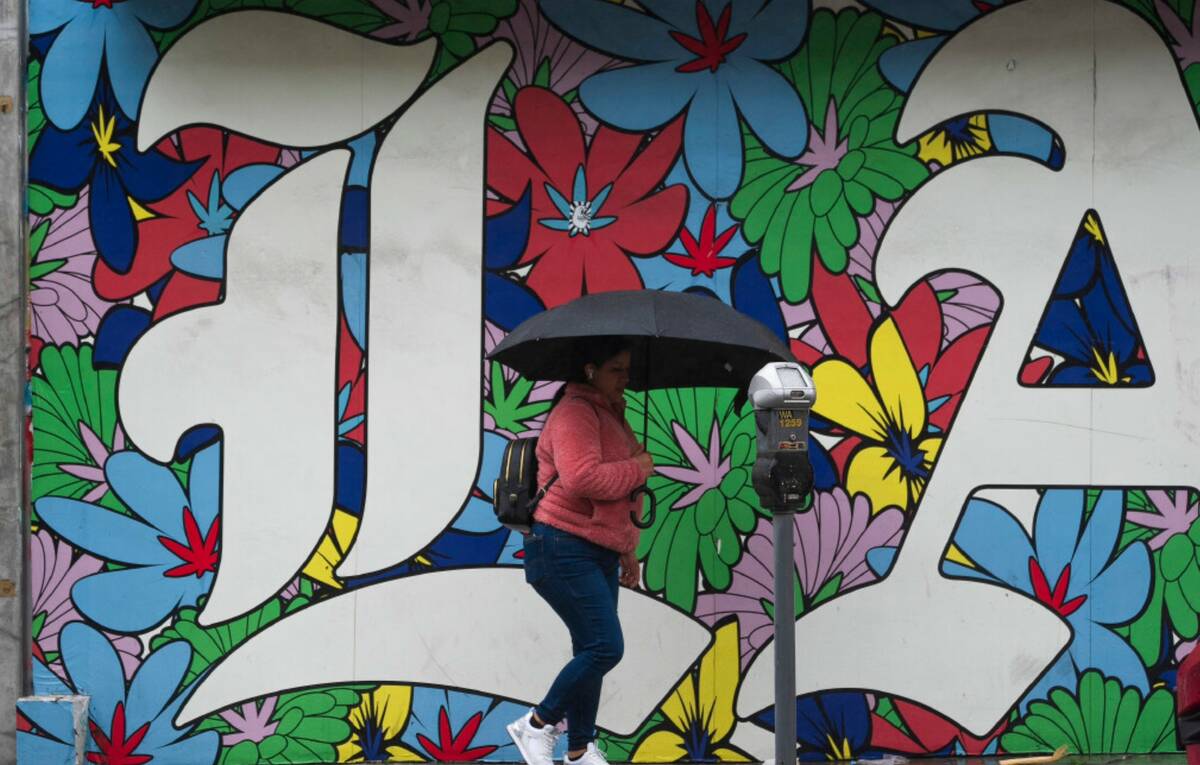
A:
[514, 734]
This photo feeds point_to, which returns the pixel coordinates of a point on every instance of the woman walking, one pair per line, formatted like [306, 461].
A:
[582, 543]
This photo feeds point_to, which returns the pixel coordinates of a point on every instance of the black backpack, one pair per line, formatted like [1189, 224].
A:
[515, 493]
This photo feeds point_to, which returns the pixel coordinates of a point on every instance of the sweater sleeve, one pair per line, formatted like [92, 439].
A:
[577, 457]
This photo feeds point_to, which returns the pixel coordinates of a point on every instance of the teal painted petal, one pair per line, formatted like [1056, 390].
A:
[94, 669]
[130, 54]
[137, 599]
[579, 192]
[996, 542]
[245, 183]
[149, 489]
[155, 684]
[770, 106]
[204, 486]
[1056, 529]
[202, 258]
[102, 532]
[559, 201]
[1120, 592]
[640, 98]
[1099, 539]
[70, 71]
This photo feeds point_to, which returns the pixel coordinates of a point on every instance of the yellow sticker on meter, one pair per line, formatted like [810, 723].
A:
[788, 419]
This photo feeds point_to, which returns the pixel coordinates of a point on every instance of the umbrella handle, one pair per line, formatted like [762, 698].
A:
[648, 521]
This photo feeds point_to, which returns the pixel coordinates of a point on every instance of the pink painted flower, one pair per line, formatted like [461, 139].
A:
[99, 454]
[1174, 515]
[707, 468]
[54, 568]
[409, 19]
[967, 302]
[831, 540]
[65, 307]
[251, 721]
[500, 407]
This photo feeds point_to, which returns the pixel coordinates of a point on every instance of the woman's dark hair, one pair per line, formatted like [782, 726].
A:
[592, 350]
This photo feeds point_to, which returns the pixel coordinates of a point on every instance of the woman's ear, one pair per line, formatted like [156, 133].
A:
[590, 371]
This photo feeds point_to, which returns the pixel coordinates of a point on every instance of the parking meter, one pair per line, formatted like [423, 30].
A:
[783, 395]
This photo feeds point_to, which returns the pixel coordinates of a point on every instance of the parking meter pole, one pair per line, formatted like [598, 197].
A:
[783, 394]
[785, 639]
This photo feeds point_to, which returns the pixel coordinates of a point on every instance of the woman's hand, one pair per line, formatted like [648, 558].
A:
[646, 463]
[631, 570]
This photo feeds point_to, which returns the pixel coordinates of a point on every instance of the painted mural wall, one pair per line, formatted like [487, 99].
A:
[271, 242]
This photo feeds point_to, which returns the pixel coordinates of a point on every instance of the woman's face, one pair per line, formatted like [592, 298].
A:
[611, 377]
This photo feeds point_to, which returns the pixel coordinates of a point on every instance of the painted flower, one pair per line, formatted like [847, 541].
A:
[74, 435]
[453, 726]
[698, 715]
[184, 241]
[937, 20]
[512, 406]
[1104, 715]
[63, 302]
[919, 731]
[352, 387]
[831, 544]
[507, 300]
[409, 19]
[793, 208]
[894, 451]
[709, 60]
[1089, 322]
[102, 151]
[53, 569]
[129, 724]
[1166, 521]
[168, 549]
[703, 450]
[375, 726]
[1068, 563]
[112, 33]
[830, 727]
[703, 255]
[968, 302]
[545, 58]
[594, 206]
[301, 726]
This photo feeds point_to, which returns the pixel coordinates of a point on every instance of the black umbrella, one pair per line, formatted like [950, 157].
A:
[680, 341]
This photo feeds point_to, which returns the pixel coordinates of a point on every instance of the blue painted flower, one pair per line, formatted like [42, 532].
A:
[708, 58]
[1072, 567]
[129, 725]
[102, 151]
[829, 726]
[1095, 333]
[168, 547]
[95, 31]
[452, 726]
[478, 515]
[508, 302]
[901, 64]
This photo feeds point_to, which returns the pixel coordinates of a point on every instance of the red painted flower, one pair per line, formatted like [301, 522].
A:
[199, 554]
[930, 733]
[593, 206]
[176, 222]
[704, 256]
[115, 749]
[711, 47]
[456, 747]
[351, 381]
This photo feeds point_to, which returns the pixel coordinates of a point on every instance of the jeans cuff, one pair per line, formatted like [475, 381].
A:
[547, 716]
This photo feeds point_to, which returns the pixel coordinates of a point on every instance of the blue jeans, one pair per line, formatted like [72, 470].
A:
[579, 581]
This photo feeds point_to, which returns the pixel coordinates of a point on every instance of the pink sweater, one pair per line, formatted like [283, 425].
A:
[588, 444]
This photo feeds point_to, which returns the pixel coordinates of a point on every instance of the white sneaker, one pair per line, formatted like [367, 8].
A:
[591, 756]
[535, 744]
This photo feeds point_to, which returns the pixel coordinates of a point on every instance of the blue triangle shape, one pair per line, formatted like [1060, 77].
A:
[1088, 336]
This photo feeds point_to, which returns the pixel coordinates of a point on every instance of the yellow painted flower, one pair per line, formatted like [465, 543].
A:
[699, 711]
[888, 414]
[956, 140]
[375, 726]
[332, 549]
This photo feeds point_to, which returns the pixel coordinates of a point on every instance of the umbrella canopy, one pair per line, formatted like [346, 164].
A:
[680, 340]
